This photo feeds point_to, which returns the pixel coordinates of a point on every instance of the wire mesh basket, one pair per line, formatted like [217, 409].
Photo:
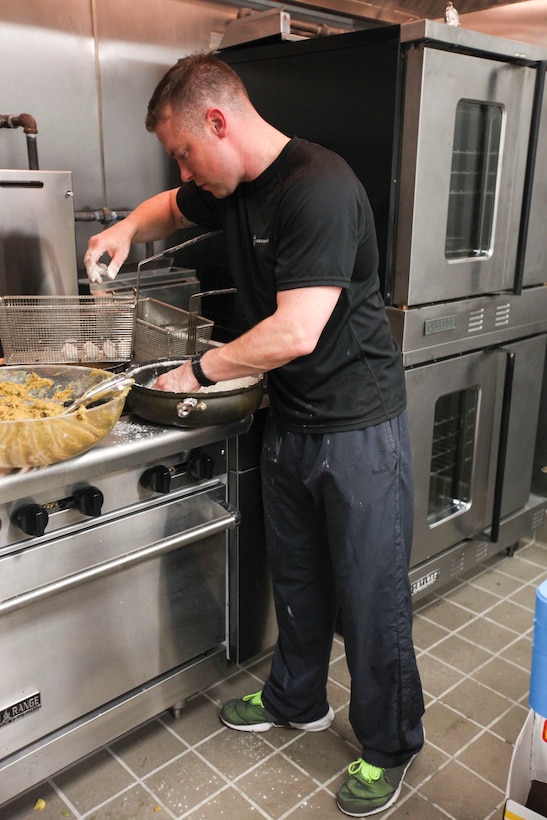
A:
[68, 329]
[162, 331]
[110, 328]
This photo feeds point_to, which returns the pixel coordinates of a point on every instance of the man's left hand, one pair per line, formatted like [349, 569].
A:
[179, 380]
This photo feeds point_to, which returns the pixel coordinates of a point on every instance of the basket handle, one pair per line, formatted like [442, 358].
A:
[169, 252]
[194, 307]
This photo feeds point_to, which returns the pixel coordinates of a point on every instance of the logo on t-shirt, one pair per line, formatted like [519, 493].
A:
[258, 241]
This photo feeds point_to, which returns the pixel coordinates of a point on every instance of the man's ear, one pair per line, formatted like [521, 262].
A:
[215, 117]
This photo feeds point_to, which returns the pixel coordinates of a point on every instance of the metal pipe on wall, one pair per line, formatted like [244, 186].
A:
[28, 124]
[103, 215]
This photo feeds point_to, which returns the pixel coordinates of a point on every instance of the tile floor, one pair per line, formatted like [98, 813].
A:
[474, 649]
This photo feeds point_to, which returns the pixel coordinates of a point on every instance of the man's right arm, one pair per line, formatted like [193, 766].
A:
[155, 218]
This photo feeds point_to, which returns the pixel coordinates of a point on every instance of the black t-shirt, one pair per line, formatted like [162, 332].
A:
[306, 221]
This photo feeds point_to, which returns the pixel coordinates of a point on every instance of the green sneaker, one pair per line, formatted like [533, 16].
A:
[248, 714]
[370, 789]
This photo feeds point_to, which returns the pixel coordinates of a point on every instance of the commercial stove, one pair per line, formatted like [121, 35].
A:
[113, 577]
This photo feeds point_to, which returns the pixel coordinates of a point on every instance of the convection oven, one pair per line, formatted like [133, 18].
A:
[446, 128]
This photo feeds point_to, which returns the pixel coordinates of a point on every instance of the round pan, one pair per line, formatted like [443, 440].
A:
[221, 404]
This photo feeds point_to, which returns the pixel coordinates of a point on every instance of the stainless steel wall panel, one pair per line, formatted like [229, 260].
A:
[136, 45]
[523, 21]
[48, 70]
[85, 70]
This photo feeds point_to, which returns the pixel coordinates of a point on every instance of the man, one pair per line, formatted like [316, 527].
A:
[335, 467]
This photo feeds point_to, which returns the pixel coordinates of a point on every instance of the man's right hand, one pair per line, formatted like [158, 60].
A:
[155, 218]
[115, 245]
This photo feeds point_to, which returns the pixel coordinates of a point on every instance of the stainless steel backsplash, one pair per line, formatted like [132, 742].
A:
[85, 70]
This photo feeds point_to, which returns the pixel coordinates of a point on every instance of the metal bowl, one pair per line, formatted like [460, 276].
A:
[42, 441]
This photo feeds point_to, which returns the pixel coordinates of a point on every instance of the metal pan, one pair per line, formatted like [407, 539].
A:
[221, 404]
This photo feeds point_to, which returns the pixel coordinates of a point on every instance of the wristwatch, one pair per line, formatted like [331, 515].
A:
[200, 376]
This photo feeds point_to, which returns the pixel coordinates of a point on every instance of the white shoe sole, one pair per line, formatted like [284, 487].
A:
[314, 726]
[253, 727]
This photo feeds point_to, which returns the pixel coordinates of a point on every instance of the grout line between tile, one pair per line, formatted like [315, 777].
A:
[242, 794]
[91, 812]
[231, 782]
[60, 793]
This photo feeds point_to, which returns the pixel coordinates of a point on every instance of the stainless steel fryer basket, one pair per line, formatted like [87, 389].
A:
[68, 329]
[97, 329]
[164, 331]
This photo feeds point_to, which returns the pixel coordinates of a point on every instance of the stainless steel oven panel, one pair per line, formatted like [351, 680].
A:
[172, 285]
[123, 492]
[60, 749]
[535, 258]
[528, 357]
[477, 375]
[437, 572]
[436, 82]
[45, 560]
[451, 328]
[37, 233]
[102, 627]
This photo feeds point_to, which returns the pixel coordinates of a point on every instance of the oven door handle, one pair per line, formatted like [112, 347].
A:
[503, 441]
[174, 542]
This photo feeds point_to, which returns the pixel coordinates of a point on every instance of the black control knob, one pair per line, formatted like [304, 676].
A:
[32, 519]
[201, 466]
[89, 500]
[157, 478]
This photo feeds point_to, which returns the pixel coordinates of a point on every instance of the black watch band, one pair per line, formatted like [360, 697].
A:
[200, 376]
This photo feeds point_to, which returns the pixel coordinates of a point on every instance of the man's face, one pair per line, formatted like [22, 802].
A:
[203, 155]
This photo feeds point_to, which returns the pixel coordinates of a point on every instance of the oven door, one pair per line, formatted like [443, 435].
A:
[88, 617]
[525, 363]
[535, 254]
[466, 126]
[454, 411]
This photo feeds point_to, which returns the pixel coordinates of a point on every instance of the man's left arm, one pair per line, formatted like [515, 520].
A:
[293, 330]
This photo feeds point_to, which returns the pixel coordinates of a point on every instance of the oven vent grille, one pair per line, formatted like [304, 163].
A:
[457, 564]
[481, 553]
[475, 321]
[502, 315]
[537, 519]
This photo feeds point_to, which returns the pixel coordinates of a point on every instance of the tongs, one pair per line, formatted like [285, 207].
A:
[171, 251]
[105, 389]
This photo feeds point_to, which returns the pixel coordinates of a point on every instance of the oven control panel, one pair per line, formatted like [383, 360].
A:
[76, 505]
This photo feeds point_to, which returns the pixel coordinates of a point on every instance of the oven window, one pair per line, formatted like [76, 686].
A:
[452, 454]
[473, 179]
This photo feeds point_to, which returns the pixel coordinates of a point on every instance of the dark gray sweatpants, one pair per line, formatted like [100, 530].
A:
[339, 513]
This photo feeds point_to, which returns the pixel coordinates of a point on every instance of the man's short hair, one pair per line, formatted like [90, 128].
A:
[191, 86]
